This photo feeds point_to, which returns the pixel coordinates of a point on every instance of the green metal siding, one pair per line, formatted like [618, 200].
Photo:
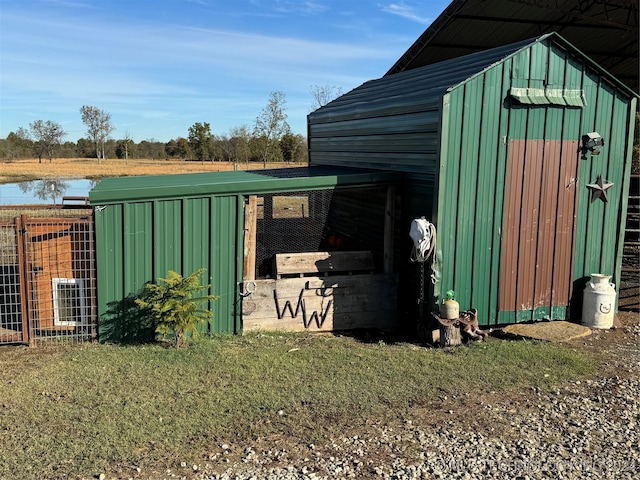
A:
[414, 150]
[139, 242]
[226, 263]
[486, 233]
[167, 233]
[477, 123]
[146, 226]
[197, 221]
[391, 123]
[470, 190]
[599, 238]
[109, 265]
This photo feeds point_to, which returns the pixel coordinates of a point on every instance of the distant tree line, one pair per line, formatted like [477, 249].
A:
[269, 140]
[232, 147]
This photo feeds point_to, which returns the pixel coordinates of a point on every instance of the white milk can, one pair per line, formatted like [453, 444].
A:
[598, 306]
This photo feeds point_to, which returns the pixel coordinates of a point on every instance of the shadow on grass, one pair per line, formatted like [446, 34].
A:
[372, 336]
[369, 336]
[125, 323]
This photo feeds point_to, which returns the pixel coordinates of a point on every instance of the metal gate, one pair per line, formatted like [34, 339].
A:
[47, 280]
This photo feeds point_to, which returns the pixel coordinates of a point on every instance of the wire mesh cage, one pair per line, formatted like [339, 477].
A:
[11, 327]
[48, 280]
[341, 219]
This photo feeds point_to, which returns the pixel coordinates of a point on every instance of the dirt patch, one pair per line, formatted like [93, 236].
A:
[556, 331]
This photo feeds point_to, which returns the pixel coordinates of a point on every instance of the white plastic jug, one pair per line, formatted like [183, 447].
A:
[598, 306]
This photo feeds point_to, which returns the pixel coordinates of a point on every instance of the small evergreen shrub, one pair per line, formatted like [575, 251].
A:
[173, 306]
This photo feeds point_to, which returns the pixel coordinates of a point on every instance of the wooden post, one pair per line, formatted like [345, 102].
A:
[23, 271]
[250, 222]
[450, 335]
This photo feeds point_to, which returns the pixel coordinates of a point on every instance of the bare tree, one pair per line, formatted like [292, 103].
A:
[23, 134]
[234, 147]
[51, 188]
[47, 136]
[271, 125]
[99, 127]
[323, 94]
[126, 141]
[239, 139]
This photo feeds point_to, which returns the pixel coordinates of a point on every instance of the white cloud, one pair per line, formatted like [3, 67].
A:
[405, 11]
[308, 8]
[69, 4]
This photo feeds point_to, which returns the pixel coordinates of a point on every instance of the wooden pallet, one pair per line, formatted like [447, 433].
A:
[321, 291]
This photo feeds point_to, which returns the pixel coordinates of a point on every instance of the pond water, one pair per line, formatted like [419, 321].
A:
[44, 192]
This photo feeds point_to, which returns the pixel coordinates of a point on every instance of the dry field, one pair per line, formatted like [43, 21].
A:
[28, 170]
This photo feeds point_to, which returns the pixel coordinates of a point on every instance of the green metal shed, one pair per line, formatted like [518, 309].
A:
[493, 148]
[145, 226]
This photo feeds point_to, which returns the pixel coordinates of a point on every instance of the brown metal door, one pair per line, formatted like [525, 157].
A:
[539, 224]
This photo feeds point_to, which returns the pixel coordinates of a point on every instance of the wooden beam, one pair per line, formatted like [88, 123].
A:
[23, 271]
[250, 223]
[323, 262]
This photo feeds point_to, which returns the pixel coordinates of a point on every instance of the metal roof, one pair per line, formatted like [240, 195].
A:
[415, 89]
[410, 91]
[604, 30]
[118, 189]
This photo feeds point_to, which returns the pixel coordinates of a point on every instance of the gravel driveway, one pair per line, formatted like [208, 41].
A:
[583, 430]
[588, 429]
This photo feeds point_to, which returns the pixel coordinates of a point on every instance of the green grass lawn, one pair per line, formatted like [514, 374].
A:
[71, 411]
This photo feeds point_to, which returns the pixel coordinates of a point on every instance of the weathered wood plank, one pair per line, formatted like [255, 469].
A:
[266, 294]
[348, 284]
[264, 308]
[323, 262]
[322, 304]
[364, 320]
[250, 222]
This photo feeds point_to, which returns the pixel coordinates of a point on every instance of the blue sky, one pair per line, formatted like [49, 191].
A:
[159, 66]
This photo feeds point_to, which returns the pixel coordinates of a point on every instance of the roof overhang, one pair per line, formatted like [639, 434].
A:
[606, 31]
[162, 187]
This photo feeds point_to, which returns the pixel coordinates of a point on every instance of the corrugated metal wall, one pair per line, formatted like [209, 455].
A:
[139, 242]
[146, 226]
[394, 123]
[600, 232]
[470, 155]
[480, 125]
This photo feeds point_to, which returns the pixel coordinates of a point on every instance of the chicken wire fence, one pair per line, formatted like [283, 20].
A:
[341, 219]
[47, 280]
